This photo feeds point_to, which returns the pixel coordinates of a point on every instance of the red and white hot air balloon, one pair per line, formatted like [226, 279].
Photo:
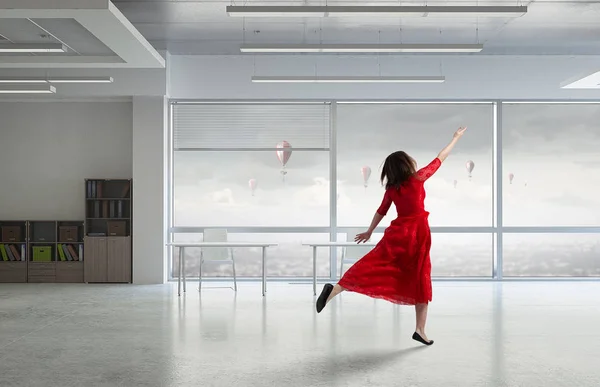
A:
[470, 165]
[511, 176]
[366, 174]
[252, 184]
[284, 152]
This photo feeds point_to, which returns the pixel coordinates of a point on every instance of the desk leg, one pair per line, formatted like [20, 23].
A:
[183, 267]
[315, 270]
[180, 271]
[264, 271]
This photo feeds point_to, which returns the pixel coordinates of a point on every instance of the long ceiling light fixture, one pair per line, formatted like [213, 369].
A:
[343, 79]
[56, 80]
[27, 89]
[395, 11]
[32, 48]
[361, 48]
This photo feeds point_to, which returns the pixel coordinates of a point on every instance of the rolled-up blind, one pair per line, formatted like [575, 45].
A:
[250, 126]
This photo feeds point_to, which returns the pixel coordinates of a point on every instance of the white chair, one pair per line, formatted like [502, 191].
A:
[351, 254]
[217, 254]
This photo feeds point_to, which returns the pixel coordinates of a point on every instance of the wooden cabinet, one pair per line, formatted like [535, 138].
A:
[69, 272]
[13, 271]
[107, 259]
[119, 259]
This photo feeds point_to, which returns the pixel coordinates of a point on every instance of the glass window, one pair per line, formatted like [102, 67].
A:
[288, 259]
[550, 164]
[367, 133]
[551, 255]
[461, 255]
[453, 254]
[248, 189]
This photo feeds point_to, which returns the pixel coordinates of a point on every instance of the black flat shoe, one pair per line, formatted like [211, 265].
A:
[421, 340]
[322, 300]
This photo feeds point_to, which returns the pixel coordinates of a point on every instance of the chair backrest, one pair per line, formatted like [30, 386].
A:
[215, 253]
[358, 251]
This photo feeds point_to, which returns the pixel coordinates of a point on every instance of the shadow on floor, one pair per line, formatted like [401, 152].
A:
[332, 369]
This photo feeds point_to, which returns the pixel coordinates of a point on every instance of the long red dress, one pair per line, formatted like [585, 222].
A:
[398, 269]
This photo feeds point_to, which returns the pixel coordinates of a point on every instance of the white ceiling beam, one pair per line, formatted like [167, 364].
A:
[101, 18]
[49, 9]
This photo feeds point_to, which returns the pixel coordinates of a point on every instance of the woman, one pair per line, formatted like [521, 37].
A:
[398, 269]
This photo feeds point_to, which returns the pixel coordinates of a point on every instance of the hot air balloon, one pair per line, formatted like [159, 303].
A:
[470, 165]
[455, 183]
[252, 184]
[366, 173]
[511, 176]
[284, 151]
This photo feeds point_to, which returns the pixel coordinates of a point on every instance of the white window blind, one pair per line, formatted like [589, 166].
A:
[250, 126]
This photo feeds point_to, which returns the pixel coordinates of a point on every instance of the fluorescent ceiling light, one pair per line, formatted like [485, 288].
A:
[27, 89]
[56, 80]
[355, 79]
[35, 47]
[358, 48]
[80, 80]
[396, 11]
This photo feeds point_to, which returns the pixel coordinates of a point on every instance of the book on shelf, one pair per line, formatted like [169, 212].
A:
[68, 252]
[61, 253]
[72, 253]
[12, 252]
[9, 252]
[15, 252]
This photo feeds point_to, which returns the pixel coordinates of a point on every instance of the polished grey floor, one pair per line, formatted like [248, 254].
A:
[510, 334]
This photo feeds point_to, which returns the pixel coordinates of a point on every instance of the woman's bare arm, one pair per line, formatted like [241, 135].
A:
[365, 236]
[444, 153]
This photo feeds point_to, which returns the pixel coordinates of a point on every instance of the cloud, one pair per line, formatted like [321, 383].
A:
[223, 197]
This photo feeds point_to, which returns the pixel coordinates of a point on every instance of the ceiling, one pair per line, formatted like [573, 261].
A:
[95, 33]
[551, 27]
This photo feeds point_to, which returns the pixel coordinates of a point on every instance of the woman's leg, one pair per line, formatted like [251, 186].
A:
[329, 291]
[337, 289]
[421, 314]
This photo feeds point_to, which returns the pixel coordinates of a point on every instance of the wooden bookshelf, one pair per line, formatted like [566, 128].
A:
[55, 251]
[13, 251]
[70, 251]
[108, 229]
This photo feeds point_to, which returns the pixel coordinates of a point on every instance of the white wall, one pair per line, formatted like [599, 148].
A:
[47, 149]
[126, 82]
[149, 180]
[467, 77]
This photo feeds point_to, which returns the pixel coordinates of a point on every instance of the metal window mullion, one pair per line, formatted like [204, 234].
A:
[170, 192]
[333, 189]
[498, 205]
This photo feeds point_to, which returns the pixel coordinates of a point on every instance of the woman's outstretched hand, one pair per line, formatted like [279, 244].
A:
[362, 237]
[458, 134]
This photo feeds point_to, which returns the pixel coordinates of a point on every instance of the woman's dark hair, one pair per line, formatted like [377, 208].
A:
[397, 168]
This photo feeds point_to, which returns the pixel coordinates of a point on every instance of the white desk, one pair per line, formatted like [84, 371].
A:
[329, 244]
[183, 245]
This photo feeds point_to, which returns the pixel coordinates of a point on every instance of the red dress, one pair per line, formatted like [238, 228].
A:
[398, 269]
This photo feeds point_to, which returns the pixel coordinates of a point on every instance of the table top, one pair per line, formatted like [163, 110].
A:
[339, 244]
[221, 244]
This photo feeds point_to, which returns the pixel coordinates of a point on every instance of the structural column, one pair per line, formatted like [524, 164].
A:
[150, 150]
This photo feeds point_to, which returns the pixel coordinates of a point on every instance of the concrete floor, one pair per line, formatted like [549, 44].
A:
[511, 334]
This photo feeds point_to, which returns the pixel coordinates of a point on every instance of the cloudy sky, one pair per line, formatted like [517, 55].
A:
[551, 149]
